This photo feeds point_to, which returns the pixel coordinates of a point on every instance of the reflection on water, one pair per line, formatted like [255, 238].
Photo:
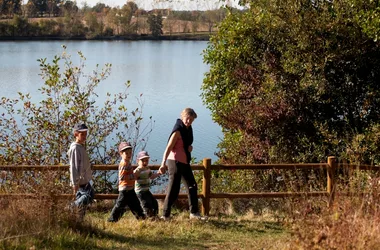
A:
[169, 74]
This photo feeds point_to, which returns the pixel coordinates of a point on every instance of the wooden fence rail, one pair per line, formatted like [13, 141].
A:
[207, 167]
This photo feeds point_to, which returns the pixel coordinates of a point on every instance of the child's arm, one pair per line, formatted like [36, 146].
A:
[136, 173]
[154, 175]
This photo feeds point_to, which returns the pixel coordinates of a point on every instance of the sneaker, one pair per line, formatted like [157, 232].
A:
[111, 220]
[164, 218]
[197, 216]
[153, 218]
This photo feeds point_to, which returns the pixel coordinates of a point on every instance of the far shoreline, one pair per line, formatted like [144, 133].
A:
[142, 37]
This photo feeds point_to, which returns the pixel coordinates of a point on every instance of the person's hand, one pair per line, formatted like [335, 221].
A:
[190, 148]
[162, 169]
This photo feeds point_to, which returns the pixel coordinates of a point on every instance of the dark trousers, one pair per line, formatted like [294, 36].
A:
[177, 171]
[126, 198]
[148, 202]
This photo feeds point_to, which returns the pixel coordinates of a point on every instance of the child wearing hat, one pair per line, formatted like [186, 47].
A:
[143, 176]
[80, 171]
[127, 194]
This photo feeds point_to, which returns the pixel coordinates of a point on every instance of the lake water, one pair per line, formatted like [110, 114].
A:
[169, 74]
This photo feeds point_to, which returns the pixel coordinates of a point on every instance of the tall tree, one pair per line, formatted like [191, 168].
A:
[211, 17]
[293, 81]
[121, 20]
[10, 7]
[99, 7]
[40, 6]
[20, 26]
[31, 9]
[95, 27]
[53, 7]
[155, 24]
[125, 18]
[69, 7]
[113, 20]
[132, 6]
[73, 25]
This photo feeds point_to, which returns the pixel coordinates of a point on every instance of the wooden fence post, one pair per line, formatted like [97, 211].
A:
[331, 162]
[206, 186]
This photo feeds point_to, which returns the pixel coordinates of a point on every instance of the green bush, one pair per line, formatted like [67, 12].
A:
[39, 133]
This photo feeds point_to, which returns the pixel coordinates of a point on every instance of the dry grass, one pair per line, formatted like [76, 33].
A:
[352, 223]
[33, 225]
[299, 223]
[305, 223]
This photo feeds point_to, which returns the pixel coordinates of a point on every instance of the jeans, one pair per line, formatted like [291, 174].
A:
[177, 171]
[148, 202]
[84, 196]
[126, 198]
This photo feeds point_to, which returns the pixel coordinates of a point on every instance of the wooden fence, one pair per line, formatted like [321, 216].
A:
[207, 167]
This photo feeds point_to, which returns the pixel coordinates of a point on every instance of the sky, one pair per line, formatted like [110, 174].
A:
[163, 4]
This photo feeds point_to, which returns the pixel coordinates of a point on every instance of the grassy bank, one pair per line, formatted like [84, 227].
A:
[224, 232]
[304, 223]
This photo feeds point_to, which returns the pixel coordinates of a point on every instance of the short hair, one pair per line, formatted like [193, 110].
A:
[188, 112]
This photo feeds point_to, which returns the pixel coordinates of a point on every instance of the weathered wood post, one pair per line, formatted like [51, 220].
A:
[206, 186]
[331, 162]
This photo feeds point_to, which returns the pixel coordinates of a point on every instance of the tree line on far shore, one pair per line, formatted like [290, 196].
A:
[56, 18]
